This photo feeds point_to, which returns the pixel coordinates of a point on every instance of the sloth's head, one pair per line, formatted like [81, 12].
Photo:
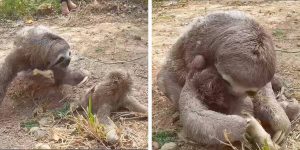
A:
[45, 49]
[246, 58]
[60, 54]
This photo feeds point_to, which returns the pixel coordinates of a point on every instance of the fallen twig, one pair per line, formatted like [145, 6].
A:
[144, 77]
[121, 62]
[135, 118]
[284, 51]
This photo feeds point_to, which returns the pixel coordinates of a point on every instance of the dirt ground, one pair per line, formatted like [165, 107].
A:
[281, 18]
[101, 40]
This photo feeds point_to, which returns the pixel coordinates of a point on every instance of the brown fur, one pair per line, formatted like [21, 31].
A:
[292, 109]
[208, 109]
[110, 95]
[233, 44]
[37, 48]
[230, 41]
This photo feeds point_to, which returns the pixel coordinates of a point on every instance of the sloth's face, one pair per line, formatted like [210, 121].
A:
[237, 89]
[61, 56]
[62, 60]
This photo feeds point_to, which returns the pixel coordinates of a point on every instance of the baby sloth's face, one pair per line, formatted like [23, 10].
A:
[120, 78]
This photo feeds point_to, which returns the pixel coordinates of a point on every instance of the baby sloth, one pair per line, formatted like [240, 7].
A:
[110, 95]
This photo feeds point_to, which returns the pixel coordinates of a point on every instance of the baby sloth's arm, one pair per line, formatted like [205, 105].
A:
[103, 115]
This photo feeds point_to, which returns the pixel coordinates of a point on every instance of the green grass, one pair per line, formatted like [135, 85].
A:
[164, 137]
[98, 50]
[62, 112]
[266, 146]
[90, 113]
[29, 124]
[279, 33]
[90, 124]
[20, 9]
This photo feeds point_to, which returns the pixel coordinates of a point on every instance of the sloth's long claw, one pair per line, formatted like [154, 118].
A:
[277, 136]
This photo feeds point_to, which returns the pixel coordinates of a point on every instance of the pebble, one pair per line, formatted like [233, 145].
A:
[38, 133]
[46, 121]
[169, 146]
[42, 146]
[155, 145]
[136, 37]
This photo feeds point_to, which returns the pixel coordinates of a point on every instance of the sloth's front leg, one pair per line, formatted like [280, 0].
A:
[68, 76]
[206, 126]
[269, 111]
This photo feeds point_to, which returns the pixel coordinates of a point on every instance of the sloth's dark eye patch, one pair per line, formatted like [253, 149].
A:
[60, 60]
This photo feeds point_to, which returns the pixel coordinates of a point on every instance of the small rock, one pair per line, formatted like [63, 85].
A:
[155, 145]
[33, 129]
[169, 146]
[37, 111]
[46, 121]
[136, 37]
[38, 133]
[42, 146]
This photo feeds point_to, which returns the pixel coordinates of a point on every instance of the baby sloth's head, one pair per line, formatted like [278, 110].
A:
[120, 78]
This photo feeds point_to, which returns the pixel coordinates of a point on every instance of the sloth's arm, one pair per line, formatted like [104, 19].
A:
[13, 64]
[134, 105]
[206, 126]
[269, 111]
[67, 76]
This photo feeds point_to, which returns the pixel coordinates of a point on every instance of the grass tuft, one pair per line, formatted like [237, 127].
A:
[29, 124]
[62, 112]
[278, 33]
[90, 125]
[164, 137]
[21, 9]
